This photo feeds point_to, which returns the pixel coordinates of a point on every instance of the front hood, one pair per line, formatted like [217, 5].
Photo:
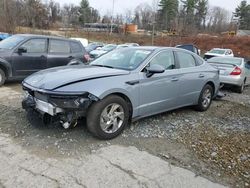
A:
[52, 79]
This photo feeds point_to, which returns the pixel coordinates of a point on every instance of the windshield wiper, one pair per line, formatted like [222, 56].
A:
[107, 66]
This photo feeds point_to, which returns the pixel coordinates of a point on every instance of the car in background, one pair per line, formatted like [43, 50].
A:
[190, 47]
[4, 36]
[234, 71]
[22, 55]
[83, 41]
[218, 52]
[93, 46]
[126, 45]
[125, 84]
[99, 52]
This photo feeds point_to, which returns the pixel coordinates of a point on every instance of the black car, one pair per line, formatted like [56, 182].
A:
[22, 55]
[190, 47]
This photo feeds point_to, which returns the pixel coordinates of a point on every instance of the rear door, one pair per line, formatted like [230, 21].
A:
[59, 53]
[191, 79]
[33, 60]
[78, 51]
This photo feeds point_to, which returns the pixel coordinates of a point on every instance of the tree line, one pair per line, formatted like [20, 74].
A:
[186, 16]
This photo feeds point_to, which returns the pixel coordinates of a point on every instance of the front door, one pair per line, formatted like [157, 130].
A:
[33, 59]
[159, 92]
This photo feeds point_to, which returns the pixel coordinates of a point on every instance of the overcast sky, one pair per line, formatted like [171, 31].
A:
[122, 5]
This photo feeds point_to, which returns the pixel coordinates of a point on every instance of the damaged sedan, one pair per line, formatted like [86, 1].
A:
[122, 86]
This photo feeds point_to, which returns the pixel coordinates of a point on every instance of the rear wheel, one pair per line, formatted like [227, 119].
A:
[107, 118]
[2, 77]
[205, 98]
[240, 89]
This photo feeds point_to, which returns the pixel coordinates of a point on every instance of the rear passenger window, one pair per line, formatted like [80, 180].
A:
[59, 46]
[75, 47]
[185, 60]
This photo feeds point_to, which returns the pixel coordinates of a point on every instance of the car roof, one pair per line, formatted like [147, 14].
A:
[158, 48]
[220, 49]
[45, 36]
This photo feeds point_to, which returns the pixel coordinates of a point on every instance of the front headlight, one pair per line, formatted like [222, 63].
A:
[70, 102]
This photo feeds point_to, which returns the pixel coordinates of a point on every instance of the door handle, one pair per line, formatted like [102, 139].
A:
[175, 79]
[201, 76]
[70, 57]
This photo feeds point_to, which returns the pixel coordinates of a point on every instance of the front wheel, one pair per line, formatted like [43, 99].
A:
[2, 77]
[107, 118]
[205, 98]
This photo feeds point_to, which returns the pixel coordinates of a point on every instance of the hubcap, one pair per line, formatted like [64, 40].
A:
[207, 97]
[112, 118]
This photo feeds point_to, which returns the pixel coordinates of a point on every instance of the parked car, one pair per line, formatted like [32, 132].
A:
[107, 48]
[190, 47]
[22, 55]
[4, 36]
[218, 52]
[123, 85]
[127, 45]
[83, 41]
[93, 46]
[234, 71]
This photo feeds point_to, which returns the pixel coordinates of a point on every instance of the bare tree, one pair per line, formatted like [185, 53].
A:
[218, 19]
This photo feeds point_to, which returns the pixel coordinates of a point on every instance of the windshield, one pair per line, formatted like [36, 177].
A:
[126, 59]
[217, 51]
[109, 47]
[233, 61]
[11, 42]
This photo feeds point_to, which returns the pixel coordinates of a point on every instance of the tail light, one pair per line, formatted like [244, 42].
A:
[86, 57]
[236, 71]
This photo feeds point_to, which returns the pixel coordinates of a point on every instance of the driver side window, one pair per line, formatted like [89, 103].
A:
[35, 46]
[165, 59]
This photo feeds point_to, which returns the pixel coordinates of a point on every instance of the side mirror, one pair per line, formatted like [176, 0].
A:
[154, 69]
[21, 50]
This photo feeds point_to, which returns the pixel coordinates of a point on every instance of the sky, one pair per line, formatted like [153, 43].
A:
[122, 5]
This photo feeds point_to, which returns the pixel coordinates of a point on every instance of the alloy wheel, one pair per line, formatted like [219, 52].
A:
[206, 98]
[112, 118]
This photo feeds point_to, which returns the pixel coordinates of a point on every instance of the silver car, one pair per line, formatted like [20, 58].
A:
[234, 71]
[123, 85]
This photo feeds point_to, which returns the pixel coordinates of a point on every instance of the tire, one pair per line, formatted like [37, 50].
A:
[2, 77]
[100, 113]
[240, 89]
[205, 98]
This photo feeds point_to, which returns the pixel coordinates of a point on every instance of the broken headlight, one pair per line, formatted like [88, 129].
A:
[71, 102]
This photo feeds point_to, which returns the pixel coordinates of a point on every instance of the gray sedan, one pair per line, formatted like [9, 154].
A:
[124, 85]
[234, 71]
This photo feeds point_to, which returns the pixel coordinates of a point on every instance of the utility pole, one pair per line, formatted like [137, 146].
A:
[155, 6]
[112, 17]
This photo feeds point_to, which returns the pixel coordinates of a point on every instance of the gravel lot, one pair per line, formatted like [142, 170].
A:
[214, 144]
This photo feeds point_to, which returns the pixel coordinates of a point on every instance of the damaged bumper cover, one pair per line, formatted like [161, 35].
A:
[54, 103]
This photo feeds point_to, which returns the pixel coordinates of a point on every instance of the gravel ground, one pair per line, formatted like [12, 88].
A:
[213, 144]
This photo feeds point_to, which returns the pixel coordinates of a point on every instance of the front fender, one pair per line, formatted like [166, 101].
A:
[7, 66]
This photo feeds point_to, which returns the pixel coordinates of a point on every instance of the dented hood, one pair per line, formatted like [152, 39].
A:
[55, 78]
